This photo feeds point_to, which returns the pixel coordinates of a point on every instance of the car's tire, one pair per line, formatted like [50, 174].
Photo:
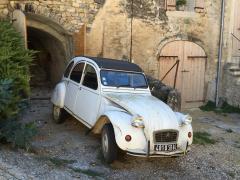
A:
[58, 114]
[109, 145]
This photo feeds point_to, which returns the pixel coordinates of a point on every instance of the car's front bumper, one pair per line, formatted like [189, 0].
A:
[176, 153]
[151, 153]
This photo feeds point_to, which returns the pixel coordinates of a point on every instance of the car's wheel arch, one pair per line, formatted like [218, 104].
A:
[58, 95]
[102, 120]
[111, 117]
[121, 123]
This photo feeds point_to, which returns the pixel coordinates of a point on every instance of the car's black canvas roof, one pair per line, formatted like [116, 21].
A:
[105, 63]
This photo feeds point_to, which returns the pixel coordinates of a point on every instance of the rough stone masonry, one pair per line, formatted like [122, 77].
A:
[108, 28]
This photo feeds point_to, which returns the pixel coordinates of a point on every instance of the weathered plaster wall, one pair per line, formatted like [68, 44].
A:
[108, 28]
[230, 84]
[110, 34]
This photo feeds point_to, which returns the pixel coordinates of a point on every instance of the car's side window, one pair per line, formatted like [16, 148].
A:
[68, 69]
[77, 72]
[90, 78]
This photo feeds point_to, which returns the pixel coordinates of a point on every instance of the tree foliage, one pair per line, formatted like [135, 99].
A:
[14, 84]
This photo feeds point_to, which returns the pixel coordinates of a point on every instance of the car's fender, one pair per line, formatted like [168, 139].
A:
[184, 129]
[121, 122]
[58, 95]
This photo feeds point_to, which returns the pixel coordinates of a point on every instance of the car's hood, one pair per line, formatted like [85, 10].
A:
[156, 114]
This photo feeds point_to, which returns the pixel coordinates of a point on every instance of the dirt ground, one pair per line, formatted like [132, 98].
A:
[67, 151]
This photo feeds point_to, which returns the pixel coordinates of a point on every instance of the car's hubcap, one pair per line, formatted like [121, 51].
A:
[56, 112]
[105, 143]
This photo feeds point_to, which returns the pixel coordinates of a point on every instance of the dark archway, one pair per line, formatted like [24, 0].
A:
[54, 46]
[50, 58]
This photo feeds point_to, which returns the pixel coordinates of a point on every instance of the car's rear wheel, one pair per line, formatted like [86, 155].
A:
[109, 145]
[59, 114]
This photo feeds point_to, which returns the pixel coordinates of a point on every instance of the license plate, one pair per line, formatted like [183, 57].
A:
[165, 147]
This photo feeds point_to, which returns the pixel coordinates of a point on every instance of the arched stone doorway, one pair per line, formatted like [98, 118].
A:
[188, 74]
[49, 61]
[54, 46]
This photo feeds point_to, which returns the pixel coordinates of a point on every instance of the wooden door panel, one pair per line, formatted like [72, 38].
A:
[192, 50]
[194, 80]
[165, 64]
[19, 23]
[174, 48]
[170, 53]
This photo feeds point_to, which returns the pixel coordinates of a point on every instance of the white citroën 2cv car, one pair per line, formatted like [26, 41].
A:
[112, 98]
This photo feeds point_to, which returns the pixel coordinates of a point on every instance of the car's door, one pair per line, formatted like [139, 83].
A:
[88, 98]
[72, 86]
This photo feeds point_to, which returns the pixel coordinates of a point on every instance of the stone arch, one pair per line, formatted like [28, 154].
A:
[179, 37]
[54, 45]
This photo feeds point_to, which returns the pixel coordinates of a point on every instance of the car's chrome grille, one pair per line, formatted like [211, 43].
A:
[166, 136]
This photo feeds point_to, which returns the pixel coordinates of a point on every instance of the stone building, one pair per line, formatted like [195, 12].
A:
[159, 35]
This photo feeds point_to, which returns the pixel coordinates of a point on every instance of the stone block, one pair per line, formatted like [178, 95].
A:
[76, 5]
[4, 2]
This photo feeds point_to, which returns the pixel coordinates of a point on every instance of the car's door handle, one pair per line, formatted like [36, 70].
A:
[185, 70]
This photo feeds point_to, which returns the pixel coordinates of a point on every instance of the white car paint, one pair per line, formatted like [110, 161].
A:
[120, 105]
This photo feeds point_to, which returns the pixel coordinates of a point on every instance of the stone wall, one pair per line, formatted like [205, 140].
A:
[110, 34]
[231, 87]
[109, 28]
[230, 83]
[3, 8]
[71, 14]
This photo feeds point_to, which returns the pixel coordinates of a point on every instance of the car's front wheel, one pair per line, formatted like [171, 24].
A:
[58, 114]
[109, 145]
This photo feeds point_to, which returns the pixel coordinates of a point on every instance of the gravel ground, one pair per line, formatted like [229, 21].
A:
[67, 151]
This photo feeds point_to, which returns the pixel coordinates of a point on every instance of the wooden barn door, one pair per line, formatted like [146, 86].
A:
[19, 23]
[79, 39]
[190, 77]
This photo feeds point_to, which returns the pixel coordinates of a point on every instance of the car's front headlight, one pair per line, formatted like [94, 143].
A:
[183, 119]
[187, 119]
[137, 121]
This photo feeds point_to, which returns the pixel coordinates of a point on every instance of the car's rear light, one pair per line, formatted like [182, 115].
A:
[128, 138]
[189, 134]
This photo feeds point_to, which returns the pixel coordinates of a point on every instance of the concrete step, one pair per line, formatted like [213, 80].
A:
[234, 70]
[238, 82]
[235, 73]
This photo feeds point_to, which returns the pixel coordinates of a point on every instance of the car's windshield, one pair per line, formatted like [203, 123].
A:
[123, 79]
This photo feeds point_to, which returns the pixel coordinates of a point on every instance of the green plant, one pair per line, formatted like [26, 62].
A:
[88, 172]
[61, 162]
[226, 108]
[229, 130]
[202, 138]
[20, 135]
[14, 86]
[181, 2]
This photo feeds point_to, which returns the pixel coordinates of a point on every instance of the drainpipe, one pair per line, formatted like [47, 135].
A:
[220, 54]
[131, 33]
